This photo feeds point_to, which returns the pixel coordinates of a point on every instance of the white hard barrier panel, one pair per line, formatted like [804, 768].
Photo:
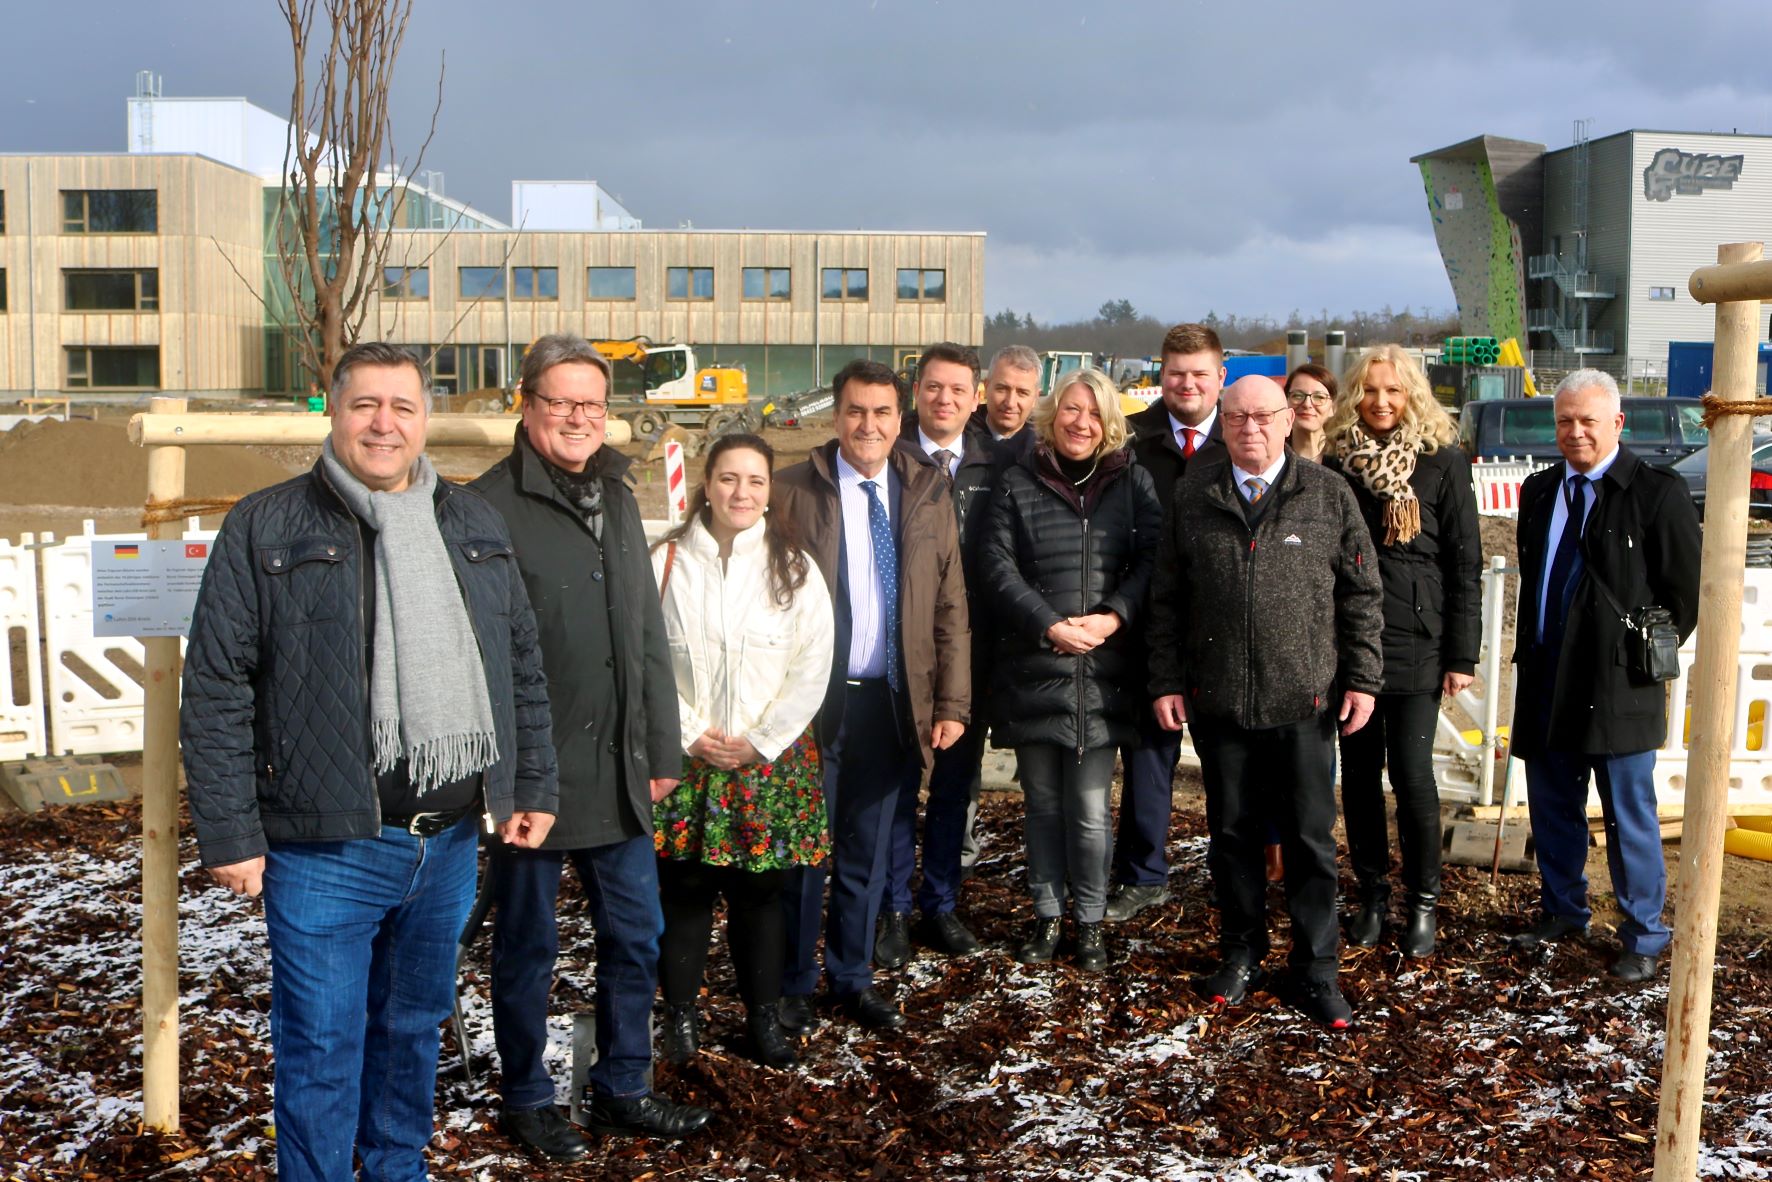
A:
[95, 683]
[21, 665]
[1498, 484]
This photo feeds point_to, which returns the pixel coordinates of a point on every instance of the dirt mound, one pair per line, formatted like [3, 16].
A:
[83, 462]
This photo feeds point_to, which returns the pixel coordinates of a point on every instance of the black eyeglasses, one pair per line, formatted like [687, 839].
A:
[562, 408]
[1261, 418]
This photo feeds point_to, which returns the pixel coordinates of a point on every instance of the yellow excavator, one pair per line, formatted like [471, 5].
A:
[657, 386]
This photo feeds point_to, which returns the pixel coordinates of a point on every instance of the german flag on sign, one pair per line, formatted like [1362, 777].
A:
[125, 550]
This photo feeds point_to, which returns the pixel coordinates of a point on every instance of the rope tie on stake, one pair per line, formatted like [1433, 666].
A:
[160, 512]
[1716, 408]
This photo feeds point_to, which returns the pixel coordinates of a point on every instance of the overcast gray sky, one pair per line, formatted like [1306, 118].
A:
[1249, 158]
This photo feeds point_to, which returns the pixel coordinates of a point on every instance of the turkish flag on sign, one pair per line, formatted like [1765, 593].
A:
[196, 549]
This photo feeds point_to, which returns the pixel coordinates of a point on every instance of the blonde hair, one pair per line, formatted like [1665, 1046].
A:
[1107, 402]
[1424, 423]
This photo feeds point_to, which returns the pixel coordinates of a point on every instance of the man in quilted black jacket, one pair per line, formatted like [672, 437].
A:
[363, 682]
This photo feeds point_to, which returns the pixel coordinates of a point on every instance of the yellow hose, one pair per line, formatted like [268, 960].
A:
[1748, 843]
[1757, 824]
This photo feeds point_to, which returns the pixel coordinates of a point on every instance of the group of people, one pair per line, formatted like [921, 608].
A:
[785, 702]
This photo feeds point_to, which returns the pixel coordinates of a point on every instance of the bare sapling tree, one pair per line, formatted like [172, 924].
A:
[344, 186]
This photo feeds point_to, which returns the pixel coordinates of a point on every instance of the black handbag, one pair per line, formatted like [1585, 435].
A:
[1653, 643]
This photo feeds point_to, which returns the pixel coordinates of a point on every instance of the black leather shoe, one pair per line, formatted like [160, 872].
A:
[1419, 927]
[1367, 928]
[892, 940]
[1231, 982]
[1127, 901]
[1092, 954]
[644, 1116]
[795, 1012]
[870, 1010]
[545, 1132]
[1321, 1001]
[682, 1033]
[946, 932]
[1546, 931]
[1633, 968]
[768, 1040]
[1042, 942]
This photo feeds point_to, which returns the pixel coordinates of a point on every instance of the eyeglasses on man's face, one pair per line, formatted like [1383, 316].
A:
[562, 408]
[1234, 419]
[1300, 397]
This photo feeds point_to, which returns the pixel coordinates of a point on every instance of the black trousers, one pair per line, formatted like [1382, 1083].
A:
[1283, 776]
[755, 929]
[1400, 735]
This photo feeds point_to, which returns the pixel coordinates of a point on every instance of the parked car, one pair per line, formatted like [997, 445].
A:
[1660, 430]
[1759, 492]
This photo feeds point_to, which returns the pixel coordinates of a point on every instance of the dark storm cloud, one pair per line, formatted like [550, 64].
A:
[1249, 158]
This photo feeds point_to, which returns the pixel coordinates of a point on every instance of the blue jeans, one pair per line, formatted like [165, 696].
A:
[363, 937]
[953, 786]
[620, 881]
[1067, 827]
[1556, 800]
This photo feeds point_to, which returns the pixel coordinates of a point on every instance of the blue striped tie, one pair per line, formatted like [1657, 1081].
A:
[886, 567]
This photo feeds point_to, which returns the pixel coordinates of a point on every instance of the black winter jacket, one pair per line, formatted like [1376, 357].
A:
[1155, 445]
[556, 554]
[1265, 625]
[1642, 539]
[1049, 555]
[275, 725]
[1433, 597]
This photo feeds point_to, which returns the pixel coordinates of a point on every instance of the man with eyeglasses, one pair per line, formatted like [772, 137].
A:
[1265, 617]
[583, 556]
[1169, 433]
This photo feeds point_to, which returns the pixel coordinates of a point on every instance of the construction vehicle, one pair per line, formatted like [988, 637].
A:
[657, 386]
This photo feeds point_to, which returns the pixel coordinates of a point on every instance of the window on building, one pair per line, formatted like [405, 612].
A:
[482, 283]
[406, 283]
[111, 291]
[1661, 293]
[92, 367]
[535, 283]
[845, 283]
[2, 289]
[443, 376]
[609, 283]
[110, 211]
[689, 283]
[920, 284]
[768, 283]
[2, 211]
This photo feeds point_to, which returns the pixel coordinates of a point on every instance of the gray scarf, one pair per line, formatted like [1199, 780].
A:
[427, 695]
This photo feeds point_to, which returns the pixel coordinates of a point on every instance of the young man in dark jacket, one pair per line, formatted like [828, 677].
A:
[938, 435]
[882, 529]
[362, 684]
[1168, 434]
[583, 556]
[1601, 534]
[1265, 620]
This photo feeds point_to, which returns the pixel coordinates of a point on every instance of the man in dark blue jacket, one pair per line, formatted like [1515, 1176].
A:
[362, 682]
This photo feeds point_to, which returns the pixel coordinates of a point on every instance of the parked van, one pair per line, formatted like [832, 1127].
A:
[1659, 430]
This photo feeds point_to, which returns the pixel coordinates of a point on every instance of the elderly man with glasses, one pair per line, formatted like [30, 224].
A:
[1264, 626]
[582, 553]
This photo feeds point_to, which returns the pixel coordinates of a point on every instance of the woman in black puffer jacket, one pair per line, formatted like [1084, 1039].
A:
[1065, 564]
[1395, 445]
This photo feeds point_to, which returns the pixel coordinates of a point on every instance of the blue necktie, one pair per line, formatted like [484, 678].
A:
[886, 567]
[1565, 569]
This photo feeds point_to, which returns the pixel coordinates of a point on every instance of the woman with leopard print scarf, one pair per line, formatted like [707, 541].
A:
[1393, 442]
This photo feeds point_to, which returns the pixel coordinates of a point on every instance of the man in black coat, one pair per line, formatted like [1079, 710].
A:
[938, 434]
[1011, 388]
[1265, 619]
[1579, 711]
[1168, 434]
[583, 555]
[362, 686]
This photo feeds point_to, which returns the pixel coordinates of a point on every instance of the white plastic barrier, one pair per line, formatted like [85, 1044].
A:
[21, 698]
[1498, 484]
[95, 690]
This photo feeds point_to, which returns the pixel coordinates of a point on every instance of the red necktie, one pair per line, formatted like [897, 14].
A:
[1189, 436]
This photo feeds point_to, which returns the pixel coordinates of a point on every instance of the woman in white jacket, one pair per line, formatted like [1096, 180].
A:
[749, 625]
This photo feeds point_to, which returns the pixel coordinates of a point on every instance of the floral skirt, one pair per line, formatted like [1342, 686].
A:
[763, 816]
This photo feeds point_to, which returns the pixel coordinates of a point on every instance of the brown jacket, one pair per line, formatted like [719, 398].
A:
[934, 637]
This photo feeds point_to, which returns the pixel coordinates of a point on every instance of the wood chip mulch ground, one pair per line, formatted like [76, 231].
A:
[1477, 1063]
